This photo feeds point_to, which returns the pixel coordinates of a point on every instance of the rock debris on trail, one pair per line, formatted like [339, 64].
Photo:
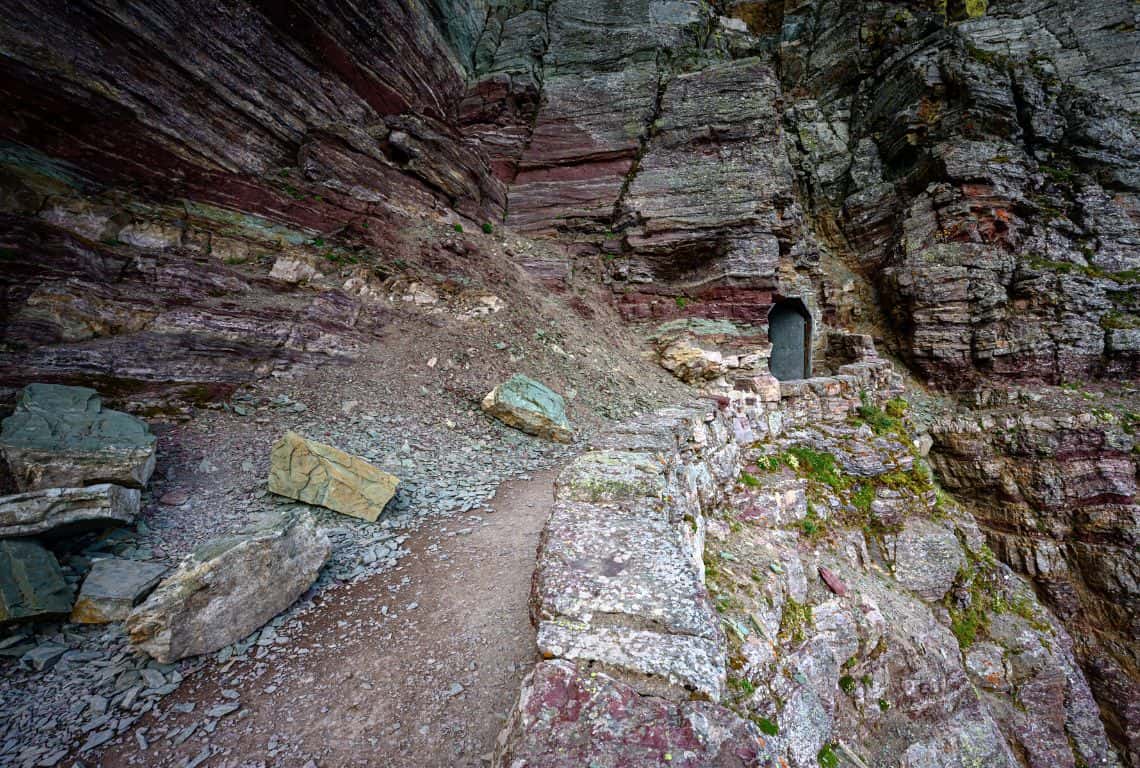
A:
[418, 665]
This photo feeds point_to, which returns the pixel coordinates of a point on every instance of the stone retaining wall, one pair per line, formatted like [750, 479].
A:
[618, 597]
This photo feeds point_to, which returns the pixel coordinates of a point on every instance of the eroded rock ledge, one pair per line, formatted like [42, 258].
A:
[914, 646]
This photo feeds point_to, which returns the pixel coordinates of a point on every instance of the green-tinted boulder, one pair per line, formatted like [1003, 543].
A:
[530, 406]
[63, 437]
[31, 584]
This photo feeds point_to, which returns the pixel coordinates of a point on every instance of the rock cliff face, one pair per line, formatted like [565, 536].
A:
[984, 171]
[1053, 483]
[195, 195]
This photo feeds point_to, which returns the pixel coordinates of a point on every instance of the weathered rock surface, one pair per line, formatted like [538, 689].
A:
[876, 668]
[913, 647]
[731, 208]
[67, 510]
[570, 717]
[601, 562]
[531, 406]
[112, 588]
[1051, 476]
[31, 584]
[229, 587]
[619, 580]
[63, 436]
[319, 474]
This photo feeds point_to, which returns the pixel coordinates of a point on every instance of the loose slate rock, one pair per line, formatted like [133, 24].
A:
[113, 588]
[67, 509]
[31, 583]
[43, 657]
[229, 587]
[530, 406]
[62, 437]
[319, 474]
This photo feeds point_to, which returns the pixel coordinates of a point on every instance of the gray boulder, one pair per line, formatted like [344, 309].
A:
[63, 437]
[229, 587]
[67, 509]
[31, 584]
[113, 588]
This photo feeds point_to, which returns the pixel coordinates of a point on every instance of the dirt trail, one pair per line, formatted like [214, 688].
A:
[427, 683]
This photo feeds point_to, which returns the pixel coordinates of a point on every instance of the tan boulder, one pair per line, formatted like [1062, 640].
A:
[319, 474]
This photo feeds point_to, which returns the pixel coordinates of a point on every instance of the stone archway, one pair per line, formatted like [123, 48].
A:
[789, 331]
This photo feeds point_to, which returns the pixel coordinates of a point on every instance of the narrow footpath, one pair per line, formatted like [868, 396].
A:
[417, 666]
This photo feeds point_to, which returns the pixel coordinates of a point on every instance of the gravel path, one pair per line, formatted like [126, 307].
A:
[416, 666]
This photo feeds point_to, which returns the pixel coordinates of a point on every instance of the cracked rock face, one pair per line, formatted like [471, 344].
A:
[319, 474]
[970, 167]
[1051, 477]
[985, 171]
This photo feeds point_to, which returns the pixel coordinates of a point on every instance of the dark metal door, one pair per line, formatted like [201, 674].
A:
[787, 330]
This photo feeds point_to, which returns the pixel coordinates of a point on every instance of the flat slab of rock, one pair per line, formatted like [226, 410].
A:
[601, 561]
[531, 407]
[61, 437]
[613, 476]
[67, 509]
[319, 474]
[229, 587]
[31, 583]
[112, 588]
[567, 718]
[654, 663]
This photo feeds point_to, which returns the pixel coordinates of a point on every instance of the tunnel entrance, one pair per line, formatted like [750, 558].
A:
[789, 331]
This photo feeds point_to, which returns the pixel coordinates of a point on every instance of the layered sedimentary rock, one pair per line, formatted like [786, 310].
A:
[196, 195]
[602, 69]
[983, 168]
[67, 510]
[912, 646]
[1053, 481]
[711, 206]
[152, 159]
[161, 324]
[263, 77]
